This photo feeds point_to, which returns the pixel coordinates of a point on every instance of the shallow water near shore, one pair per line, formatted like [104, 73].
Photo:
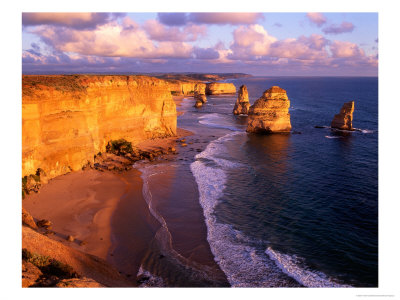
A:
[279, 210]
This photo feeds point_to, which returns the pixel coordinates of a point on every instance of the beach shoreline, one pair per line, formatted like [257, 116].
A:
[103, 211]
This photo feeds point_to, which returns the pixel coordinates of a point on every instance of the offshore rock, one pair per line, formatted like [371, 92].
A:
[198, 103]
[242, 104]
[270, 113]
[344, 119]
[200, 92]
[218, 88]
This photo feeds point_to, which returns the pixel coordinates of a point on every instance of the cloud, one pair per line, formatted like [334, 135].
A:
[111, 40]
[225, 18]
[179, 19]
[159, 32]
[252, 40]
[277, 24]
[316, 18]
[304, 48]
[172, 19]
[337, 29]
[342, 49]
[205, 53]
[71, 20]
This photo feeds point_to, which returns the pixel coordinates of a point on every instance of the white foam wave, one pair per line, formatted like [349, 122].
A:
[241, 263]
[148, 279]
[364, 130]
[290, 265]
[332, 137]
[217, 121]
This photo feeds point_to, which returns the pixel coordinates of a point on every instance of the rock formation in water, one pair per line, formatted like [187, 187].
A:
[66, 120]
[218, 88]
[200, 93]
[344, 119]
[198, 103]
[270, 113]
[242, 104]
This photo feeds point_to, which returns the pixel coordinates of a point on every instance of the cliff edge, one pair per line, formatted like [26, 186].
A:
[66, 120]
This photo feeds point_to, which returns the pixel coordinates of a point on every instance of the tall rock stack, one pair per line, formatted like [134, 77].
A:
[270, 113]
[242, 104]
[200, 93]
[344, 119]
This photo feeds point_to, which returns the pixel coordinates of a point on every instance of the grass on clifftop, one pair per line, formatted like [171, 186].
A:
[64, 83]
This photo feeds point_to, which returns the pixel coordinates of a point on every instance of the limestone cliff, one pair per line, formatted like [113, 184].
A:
[218, 88]
[242, 103]
[270, 113]
[183, 88]
[66, 120]
[344, 120]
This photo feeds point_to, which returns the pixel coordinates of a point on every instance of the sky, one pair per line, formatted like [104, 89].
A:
[269, 44]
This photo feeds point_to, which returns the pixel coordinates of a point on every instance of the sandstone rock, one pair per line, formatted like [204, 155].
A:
[198, 103]
[218, 88]
[30, 274]
[200, 93]
[344, 120]
[66, 120]
[70, 238]
[27, 219]
[242, 104]
[270, 113]
[44, 223]
[78, 283]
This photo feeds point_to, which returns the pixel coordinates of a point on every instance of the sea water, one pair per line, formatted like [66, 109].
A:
[292, 209]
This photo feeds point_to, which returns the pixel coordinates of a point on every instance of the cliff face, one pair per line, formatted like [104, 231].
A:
[217, 88]
[270, 113]
[184, 88]
[344, 120]
[66, 120]
[242, 104]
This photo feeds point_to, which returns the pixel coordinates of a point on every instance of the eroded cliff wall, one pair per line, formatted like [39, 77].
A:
[66, 120]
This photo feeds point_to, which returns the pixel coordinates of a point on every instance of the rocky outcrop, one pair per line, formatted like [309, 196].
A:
[344, 119]
[270, 113]
[71, 260]
[66, 120]
[198, 103]
[242, 104]
[218, 88]
[27, 219]
[200, 93]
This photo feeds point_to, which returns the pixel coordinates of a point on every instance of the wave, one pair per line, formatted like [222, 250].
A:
[218, 121]
[243, 265]
[290, 265]
[239, 256]
[332, 137]
[163, 237]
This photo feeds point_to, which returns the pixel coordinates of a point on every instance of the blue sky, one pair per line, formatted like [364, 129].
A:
[320, 44]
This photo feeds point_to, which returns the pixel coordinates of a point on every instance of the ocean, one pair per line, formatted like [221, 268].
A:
[279, 210]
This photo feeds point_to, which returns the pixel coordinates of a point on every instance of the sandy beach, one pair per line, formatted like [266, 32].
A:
[107, 215]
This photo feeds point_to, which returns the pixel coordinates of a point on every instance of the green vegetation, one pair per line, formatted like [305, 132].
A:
[49, 266]
[119, 147]
[175, 93]
[25, 180]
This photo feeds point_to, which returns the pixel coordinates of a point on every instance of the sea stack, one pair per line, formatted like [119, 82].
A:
[270, 113]
[200, 92]
[198, 103]
[344, 119]
[242, 104]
